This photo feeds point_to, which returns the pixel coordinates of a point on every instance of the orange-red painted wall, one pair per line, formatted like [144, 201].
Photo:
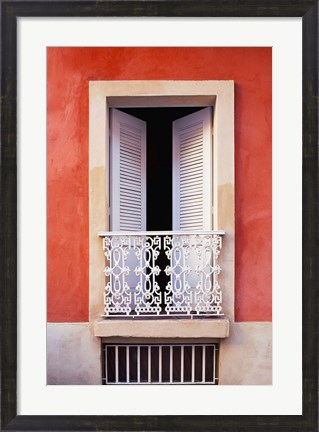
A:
[69, 71]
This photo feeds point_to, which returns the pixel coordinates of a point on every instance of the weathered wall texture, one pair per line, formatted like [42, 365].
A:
[73, 354]
[246, 356]
[69, 72]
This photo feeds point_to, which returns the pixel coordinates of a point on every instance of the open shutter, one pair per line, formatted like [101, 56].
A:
[192, 171]
[128, 172]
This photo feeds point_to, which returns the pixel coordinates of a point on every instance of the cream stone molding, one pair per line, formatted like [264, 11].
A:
[161, 328]
[106, 94]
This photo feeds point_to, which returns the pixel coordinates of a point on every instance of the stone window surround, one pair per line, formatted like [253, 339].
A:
[108, 94]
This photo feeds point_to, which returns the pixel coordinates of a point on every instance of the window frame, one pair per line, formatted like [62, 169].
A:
[104, 95]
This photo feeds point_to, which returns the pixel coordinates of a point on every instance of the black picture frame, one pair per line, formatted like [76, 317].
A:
[10, 10]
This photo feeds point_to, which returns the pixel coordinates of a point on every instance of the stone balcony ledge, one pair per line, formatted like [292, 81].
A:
[163, 328]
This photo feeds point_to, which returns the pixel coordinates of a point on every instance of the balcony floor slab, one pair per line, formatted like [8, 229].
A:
[162, 328]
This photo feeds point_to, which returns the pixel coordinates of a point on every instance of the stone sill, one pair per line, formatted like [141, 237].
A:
[161, 328]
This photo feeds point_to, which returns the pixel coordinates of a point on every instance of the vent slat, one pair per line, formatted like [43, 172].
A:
[131, 175]
[192, 169]
[129, 139]
[189, 128]
[128, 133]
[125, 182]
[192, 146]
[127, 148]
[187, 173]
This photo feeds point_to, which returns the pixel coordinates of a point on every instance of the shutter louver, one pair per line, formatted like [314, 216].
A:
[192, 179]
[128, 171]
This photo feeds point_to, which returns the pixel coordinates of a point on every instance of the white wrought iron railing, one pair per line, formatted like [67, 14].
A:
[162, 273]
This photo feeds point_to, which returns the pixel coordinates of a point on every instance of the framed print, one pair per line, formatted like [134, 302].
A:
[159, 216]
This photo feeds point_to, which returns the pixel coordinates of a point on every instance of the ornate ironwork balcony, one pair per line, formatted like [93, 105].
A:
[171, 273]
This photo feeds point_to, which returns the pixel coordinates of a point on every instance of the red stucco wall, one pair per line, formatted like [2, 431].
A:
[69, 71]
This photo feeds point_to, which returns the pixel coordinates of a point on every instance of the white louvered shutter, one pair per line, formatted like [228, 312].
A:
[128, 172]
[192, 171]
